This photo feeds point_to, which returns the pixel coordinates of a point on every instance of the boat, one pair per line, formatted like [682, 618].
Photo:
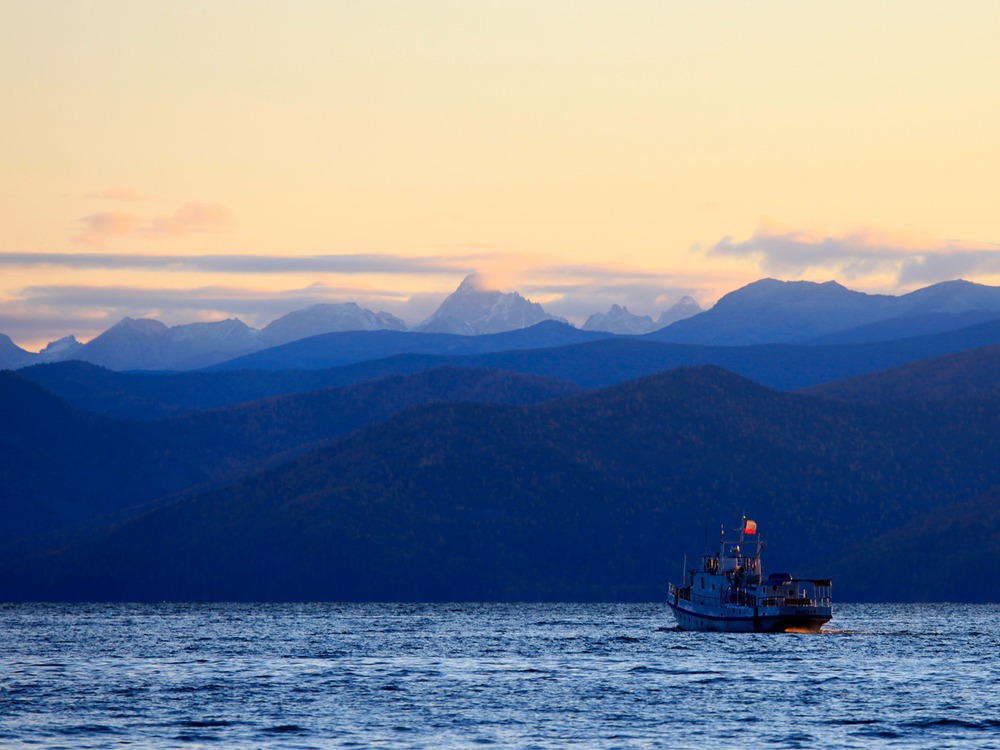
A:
[730, 593]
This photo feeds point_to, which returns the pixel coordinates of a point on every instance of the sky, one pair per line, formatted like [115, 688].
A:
[202, 160]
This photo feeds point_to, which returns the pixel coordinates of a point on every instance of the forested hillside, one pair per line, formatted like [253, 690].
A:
[595, 496]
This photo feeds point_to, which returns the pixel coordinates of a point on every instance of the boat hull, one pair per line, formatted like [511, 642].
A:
[746, 620]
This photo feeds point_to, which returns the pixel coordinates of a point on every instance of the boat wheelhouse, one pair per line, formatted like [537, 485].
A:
[729, 592]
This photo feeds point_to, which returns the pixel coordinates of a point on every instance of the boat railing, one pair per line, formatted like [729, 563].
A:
[740, 597]
[675, 593]
[796, 601]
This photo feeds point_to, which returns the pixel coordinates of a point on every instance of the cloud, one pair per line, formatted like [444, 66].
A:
[46, 312]
[97, 228]
[577, 302]
[952, 263]
[33, 327]
[230, 299]
[249, 264]
[575, 291]
[861, 254]
[191, 218]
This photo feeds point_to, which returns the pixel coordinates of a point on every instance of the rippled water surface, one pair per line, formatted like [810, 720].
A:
[512, 675]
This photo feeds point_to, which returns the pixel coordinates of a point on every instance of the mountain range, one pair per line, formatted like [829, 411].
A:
[772, 311]
[619, 320]
[767, 311]
[147, 344]
[545, 462]
[597, 362]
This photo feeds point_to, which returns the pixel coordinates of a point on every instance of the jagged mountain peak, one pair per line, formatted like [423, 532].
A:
[65, 348]
[472, 309]
[475, 283]
[618, 319]
[61, 345]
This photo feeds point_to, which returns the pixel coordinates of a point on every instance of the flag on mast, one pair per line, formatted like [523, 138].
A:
[750, 527]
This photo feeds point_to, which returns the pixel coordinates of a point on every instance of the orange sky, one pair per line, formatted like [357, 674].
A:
[197, 160]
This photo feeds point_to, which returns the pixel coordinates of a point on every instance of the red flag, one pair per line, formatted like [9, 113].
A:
[750, 527]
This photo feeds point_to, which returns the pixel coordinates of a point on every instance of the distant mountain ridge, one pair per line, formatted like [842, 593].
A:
[348, 347]
[148, 344]
[764, 312]
[772, 311]
[327, 318]
[619, 320]
[549, 349]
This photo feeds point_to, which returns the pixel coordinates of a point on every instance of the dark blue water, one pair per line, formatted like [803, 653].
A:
[532, 676]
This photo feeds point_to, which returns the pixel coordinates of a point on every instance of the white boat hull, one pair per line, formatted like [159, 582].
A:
[738, 619]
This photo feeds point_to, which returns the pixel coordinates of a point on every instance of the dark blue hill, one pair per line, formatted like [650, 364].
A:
[338, 349]
[593, 497]
[970, 374]
[935, 557]
[149, 395]
[60, 466]
[909, 326]
[589, 365]
[773, 311]
[783, 366]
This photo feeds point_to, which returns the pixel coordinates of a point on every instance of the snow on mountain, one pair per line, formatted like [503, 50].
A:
[13, 357]
[685, 307]
[471, 310]
[619, 320]
[131, 343]
[146, 344]
[762, 312]
[61, 349]
[57, 351]
[327, 318]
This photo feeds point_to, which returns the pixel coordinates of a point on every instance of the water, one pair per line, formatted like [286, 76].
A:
[459, 676]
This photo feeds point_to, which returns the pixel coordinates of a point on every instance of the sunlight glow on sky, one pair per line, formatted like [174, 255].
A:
[583, 153]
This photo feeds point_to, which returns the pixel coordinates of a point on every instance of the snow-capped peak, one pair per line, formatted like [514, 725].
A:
[472, 310]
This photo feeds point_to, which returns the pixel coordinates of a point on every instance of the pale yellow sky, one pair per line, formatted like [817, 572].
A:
[583, 153]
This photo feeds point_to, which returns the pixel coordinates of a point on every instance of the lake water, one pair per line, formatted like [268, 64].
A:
[510, 675]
